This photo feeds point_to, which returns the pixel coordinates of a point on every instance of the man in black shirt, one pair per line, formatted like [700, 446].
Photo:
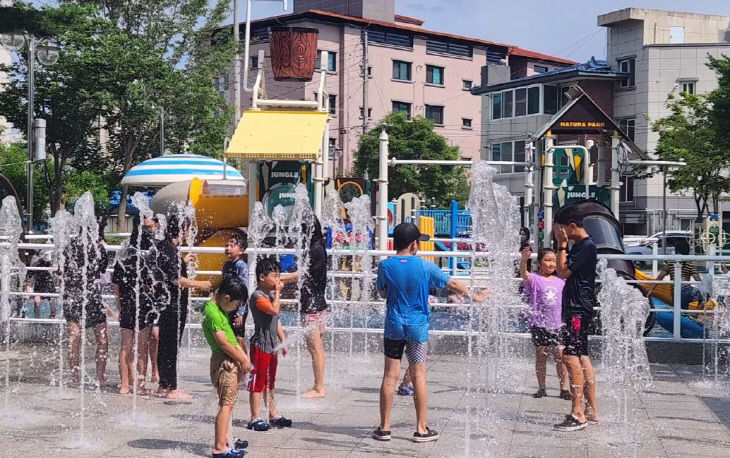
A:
[578, 269]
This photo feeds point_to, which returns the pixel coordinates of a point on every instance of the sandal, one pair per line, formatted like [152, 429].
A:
[280, 422]
[258, 425]
[405, 391]
[565, 394]
[540, 393]
[239, 444]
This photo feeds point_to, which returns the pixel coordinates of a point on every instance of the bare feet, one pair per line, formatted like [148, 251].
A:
[124, 390]
[313, 393]
[591, 418]
[162, 392]
[179, 394]
[156, 377]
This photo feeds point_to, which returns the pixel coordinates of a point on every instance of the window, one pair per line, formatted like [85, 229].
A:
[333, 143]
[254, 61]
[688, 87]
[540, 69]
[627, 189]
[448, 47]
[502, 152]
[550, 99]
[628, 126]
[370, 71]
[521, 101]
[389, 37]
[466, 123]
[496, 105]
[333, 105]
[533, 100]
[402, 107]
[467, 84]
[435, 75]
[507, 99]
[628, 66]
[519, 155]
[331, 61]
[401, 70]
[370, 113]
[676, 35]
[435, 114]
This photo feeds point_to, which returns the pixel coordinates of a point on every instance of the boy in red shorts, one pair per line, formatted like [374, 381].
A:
[265, 304]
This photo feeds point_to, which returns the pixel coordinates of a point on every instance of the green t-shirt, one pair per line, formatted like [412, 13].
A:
[215, 320]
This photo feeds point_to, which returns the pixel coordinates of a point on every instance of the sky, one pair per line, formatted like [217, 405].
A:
[566, 29]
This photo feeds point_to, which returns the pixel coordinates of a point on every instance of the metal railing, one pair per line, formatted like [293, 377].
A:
[676, 282]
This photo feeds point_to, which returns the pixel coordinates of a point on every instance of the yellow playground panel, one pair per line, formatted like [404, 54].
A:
[427, 226]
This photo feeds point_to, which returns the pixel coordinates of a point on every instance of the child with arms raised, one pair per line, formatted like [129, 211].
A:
[545, 291]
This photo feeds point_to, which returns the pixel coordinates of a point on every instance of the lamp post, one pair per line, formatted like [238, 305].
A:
[47, 55]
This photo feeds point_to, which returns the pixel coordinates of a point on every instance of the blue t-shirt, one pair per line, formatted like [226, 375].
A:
[406, 281]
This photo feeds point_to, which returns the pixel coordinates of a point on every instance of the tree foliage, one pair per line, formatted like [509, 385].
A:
[720, 100]
[414, 139]
[688, 134]
[121, 65]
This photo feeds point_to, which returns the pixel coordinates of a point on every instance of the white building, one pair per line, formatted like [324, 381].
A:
[665, 52]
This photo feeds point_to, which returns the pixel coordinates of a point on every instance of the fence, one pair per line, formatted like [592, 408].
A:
[677, 312]
[443, 219]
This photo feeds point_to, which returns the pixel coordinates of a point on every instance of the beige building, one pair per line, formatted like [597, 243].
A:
[664, 52]
[409, 68]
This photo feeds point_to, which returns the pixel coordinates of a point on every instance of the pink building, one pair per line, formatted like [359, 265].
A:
[409, 68]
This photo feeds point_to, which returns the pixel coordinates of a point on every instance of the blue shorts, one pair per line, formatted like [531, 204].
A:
[409, 332]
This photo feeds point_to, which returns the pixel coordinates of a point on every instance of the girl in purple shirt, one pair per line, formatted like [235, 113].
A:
[545, 293]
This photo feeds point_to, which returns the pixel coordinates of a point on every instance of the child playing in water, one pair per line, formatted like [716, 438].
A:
[237, 267]
[228, 363]
[268, 334]
[545, 291]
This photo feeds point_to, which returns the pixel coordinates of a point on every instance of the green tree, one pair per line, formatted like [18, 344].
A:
[688, 134]
[13, 167]
[414, 139]
[720, 100]
[121, 65]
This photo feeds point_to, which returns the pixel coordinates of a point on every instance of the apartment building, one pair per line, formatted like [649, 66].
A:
[663, 52]
[409, 68]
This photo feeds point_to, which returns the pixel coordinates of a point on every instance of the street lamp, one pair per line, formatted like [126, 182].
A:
[47, 55]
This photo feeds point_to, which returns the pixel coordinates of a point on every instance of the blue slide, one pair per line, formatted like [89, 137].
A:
[689, 329]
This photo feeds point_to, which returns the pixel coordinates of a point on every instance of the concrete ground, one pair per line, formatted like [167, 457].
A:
[681, 415]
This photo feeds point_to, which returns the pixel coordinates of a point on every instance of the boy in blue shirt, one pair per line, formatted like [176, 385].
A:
[404, 281]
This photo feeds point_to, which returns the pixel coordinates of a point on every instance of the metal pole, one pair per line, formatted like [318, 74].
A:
[548, 188]
[162, 132]
[677, 279]
[365, 100]
[615, 179]
[664, 211]
[237, 62]
[31, 103]
[382, 213]
[454, 233]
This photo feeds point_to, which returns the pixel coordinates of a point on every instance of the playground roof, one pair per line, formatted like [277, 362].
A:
[171, 168]
[278, 135]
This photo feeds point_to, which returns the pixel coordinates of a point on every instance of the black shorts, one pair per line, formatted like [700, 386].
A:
[238, 332]
[128, 319]
[94, 312]
[415, 351]
[542, 337]
[575, 335]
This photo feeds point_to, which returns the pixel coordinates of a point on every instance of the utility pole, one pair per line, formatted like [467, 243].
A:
[365, 119]
[236, 89]
[31, 103]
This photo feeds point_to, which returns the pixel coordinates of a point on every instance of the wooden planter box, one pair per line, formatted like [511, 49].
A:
[293, 52]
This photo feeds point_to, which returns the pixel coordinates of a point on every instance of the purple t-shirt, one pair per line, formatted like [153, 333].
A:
[546, 301]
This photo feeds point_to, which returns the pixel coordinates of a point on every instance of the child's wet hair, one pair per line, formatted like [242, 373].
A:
[232, 287]
[542, 252]
[267, 265]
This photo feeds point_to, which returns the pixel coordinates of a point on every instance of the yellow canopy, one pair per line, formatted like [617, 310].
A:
[278, 135]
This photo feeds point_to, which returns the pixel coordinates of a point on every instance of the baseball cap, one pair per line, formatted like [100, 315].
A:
[405, 233]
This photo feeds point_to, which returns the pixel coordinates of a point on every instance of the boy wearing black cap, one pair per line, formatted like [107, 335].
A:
[404, 280]
[578, 269]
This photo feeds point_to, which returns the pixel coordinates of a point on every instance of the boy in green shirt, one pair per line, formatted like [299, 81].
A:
[228, 363]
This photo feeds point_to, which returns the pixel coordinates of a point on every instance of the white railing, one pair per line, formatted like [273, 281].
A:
[676, 282]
